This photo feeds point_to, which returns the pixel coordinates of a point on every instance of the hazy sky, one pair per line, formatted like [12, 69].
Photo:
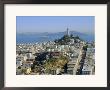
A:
[84, 24]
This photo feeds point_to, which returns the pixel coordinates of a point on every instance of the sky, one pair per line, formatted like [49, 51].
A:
[84, 24]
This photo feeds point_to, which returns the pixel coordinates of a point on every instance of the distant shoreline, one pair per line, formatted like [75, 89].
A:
[38, 38]
[35, 42]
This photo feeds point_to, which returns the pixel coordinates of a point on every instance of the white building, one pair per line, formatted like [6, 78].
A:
[29, 55]
[72, 41]
[86, 69]
[18, 63]
[27, 64]
[58, 70]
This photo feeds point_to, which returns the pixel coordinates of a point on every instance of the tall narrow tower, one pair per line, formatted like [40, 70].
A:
[67, 31]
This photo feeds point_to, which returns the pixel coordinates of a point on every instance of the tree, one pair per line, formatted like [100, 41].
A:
[24, 70]
[19, 67]
[85, 47]
[56, 41]
[71, 36]
[77, 37]
[64, 40]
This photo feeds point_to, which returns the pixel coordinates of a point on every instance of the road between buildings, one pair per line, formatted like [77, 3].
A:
[77, 62]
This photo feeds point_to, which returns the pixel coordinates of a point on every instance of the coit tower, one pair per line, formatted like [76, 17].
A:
[67, 31]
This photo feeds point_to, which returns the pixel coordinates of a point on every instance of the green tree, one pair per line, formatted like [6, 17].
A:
[77, 37]
[71, 36]
[85, 47]
[19, 67]
[24, 70]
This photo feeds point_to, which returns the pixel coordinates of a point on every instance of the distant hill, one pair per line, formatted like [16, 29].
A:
[35, 36]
